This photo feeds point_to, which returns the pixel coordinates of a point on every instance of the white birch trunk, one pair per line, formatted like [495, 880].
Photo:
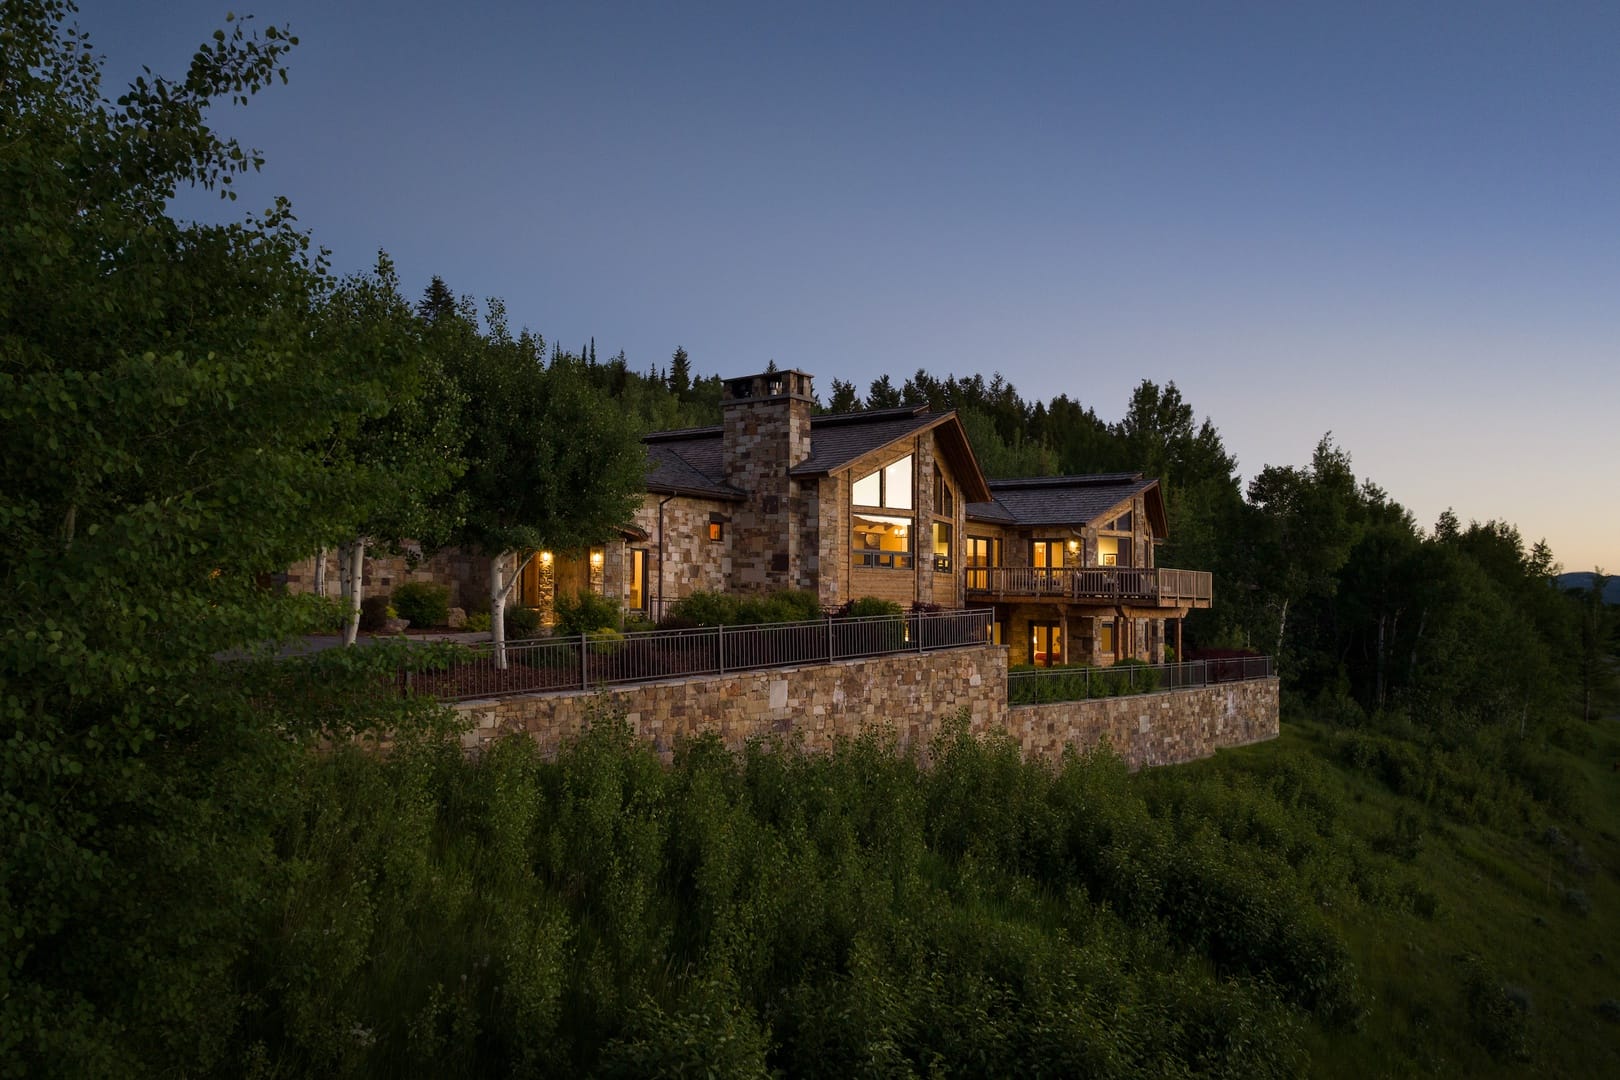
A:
[355, 561]
[500, 590]
[343, 567]
[1282, 629]
[497, 610]
[320, 571]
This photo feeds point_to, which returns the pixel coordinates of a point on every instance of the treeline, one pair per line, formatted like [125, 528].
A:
[1366, 608]
[194, 882]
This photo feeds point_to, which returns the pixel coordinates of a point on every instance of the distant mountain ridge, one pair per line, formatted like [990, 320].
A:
[1583, 580]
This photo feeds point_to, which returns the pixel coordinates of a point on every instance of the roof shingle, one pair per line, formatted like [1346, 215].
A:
[1057, 500]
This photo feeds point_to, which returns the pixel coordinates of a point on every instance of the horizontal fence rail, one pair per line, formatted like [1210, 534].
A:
[1159, 585]
[1084, 683]
[608, 658]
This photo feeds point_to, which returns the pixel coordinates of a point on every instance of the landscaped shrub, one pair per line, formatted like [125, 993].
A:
[478, 623]
[586, 612]
[522, 622]
[794, 605]
[726, 609]
[423, 603]
[868, 606]
[1131, 676]
[374, 613]
[701, 608]
[1081, 682]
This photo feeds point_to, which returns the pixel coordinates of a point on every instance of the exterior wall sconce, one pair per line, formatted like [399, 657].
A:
[596, 558]
[1074, 547]
[545, 557]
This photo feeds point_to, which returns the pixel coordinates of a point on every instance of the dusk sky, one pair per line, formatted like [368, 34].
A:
[1400, 222]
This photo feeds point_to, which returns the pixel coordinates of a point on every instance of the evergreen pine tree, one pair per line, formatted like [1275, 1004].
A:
[680, 374]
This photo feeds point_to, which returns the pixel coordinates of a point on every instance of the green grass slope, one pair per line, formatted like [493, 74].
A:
[1507, 960]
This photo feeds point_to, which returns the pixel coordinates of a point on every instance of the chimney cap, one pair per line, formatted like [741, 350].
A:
[784, 382]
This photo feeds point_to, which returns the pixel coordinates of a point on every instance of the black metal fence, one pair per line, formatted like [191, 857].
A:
[1083, 683]
[607, 658]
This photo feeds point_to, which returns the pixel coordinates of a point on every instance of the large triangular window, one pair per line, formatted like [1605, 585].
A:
[888, 487]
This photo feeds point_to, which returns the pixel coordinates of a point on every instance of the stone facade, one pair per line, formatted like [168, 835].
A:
[681, 559]
[1138, 636]
[1165, 728]
[766, 424]
[465, 575]
[908, 695]
[816, 704]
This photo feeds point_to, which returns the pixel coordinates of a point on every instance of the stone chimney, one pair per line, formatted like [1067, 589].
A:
[766, 423]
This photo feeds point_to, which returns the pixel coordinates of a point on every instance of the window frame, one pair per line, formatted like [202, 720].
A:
[866, 555]
[882, 475]
[942, 563]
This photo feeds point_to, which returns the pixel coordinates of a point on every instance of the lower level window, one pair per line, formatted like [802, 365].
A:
[1045, 644]
[942, 547]
[598, 560]
[1105, 637]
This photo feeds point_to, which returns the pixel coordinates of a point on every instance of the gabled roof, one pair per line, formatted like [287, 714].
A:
[674, 466]
[1074, 501]
[839, 440]
[691, 461]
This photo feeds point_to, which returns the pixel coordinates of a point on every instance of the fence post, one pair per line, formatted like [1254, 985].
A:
[829, 639]
[917, 631]
[584, 662]
[720, 646]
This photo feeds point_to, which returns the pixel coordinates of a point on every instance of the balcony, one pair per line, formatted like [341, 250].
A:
[1137, 586]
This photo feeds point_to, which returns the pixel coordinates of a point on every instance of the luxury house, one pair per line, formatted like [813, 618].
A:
[888, 503]
[892, 503]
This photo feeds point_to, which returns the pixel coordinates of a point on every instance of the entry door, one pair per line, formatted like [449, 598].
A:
[638, 580]
[1046, 556]
[1045, 644]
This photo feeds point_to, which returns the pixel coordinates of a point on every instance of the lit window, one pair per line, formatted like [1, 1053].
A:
[1046, 554]
[888, 487]
[717, 530]
[897, 484]
[637, 596]
[942, 547]
[881, 541]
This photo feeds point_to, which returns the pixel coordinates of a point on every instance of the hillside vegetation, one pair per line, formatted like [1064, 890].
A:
[203, 873]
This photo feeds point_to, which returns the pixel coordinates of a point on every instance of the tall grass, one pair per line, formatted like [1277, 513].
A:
[818, 915]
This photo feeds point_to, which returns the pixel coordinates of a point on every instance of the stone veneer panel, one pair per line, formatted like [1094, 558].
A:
[911, 695]
[1165, 728]
[690, 560]
[816, 704]
[465, 575]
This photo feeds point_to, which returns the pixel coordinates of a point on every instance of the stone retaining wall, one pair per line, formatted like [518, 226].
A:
[909, 694]
[1165, 728]
[815, 704]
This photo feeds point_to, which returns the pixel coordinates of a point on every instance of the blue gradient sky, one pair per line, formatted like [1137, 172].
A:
[1395, 222]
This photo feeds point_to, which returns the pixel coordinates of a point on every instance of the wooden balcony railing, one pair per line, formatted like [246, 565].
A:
[1158, 586]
